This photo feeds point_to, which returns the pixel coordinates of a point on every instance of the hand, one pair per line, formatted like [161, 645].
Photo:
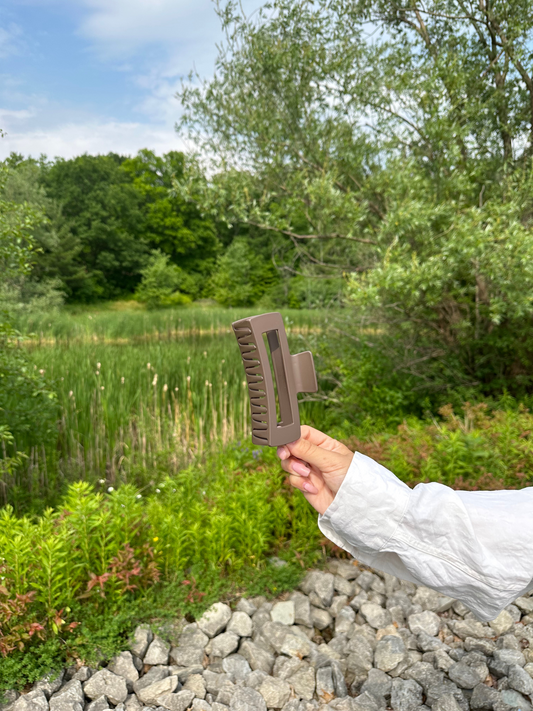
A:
[317, 465]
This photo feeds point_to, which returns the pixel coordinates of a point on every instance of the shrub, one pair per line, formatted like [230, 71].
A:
[163, 284]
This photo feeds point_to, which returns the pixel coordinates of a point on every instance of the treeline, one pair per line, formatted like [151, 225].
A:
[110, 226]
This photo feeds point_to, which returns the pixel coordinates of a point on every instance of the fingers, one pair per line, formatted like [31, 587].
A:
[323, 459]
[322, 440]
[303, 485]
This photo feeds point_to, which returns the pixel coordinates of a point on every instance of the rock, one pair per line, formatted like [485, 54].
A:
[295, 646]
[525, 604]
[35, 700]
[361, 654]
[256, 657]
[247, 606]
[62, 704]
[214, 682]
[302, 609]
[283, 612]
[123, 665]
[275, 692]
[142, 637]
[223, 644]
[339, 601]
[240, 624]
[99, 704]
[470, 628]
[176, 702]
[406, 695]
[237, 666]
[157, 652]
[70, 693]
[192, 636]
[365, 702]
[150, 694]
[519, 680]
[446, 702]
[483, 697]
[375, 615]
[390, 651]
[50, 683]
[187, 656]
[502, 623]
[255, 679]
[486, 646]
[132, 703]
[424, 622]
[516, 700]
[343, 586]
[200, 705]
[303, 683]
[185, 672]
[247, 699]
[105, 683]
[510, 656]
[196, 684]
[215, 619]
[322, 584]
[152, 675]
[339, 682]
[529, 669]
[320, 618]
[467, 676]
[377, 683]
[324, 685]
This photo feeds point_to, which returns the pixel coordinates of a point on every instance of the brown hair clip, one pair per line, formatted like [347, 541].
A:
[275, 420]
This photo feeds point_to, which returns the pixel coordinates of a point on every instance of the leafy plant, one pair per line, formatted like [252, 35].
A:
[163, 284]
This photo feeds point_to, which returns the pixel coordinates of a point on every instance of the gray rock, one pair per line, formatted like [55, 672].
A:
[132, 703]
[50, 683]
[320, 618]
[510, 656]
[192, 636]
[240, 624]
[303, 683]
[61, 704]
[322, 584]
[215, 619]
[157, 652]
[390, 651]
[483, 697]
[424, 622]
[516, 700]
[342, 704]
[214, 682]
[343, 586]
[525, 604]
[275, 692]
[324, 685]
[503, 623]
[295, 646]
[71, 692]
[196, 684]
[176, 702]
[406, 695]
[375, 615]
[223, 644]
[426, 643]
[446, 702]
[99, 704]
[247, 699]
[123, 665]
[35, 700]
[378, 683]
[470, 628]
[185, 672]
[200, 705]
[237, 666]
[283, 612]
[151, 677]
[486, 646]
[256, 657]
[467, 676]
[187, 656]
[339, 601]
[150, 694]
[302, 609]
[519, 680]
[246, 605]
[105, 683]
[361, 654]
[339, 682]
[142, 637]
[365, 702]
[225, 694]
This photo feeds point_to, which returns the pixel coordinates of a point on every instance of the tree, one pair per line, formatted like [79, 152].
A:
[163, 283]
[391, 142]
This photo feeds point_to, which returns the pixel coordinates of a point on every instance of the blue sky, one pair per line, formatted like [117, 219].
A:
[99, 75]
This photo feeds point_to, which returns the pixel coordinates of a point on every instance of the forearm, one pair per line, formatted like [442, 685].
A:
[476, 547]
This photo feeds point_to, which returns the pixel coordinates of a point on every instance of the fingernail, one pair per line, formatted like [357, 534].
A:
[283, 452]
[301, 469]
[310, 488]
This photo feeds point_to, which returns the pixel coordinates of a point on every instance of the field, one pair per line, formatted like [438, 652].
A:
[140, 391]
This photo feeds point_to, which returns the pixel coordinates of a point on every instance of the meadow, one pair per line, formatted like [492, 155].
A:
[139, 391]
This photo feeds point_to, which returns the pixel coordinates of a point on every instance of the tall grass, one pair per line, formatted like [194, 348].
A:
[137, 389]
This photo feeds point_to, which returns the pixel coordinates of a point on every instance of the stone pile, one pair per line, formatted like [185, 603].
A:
[349, 639]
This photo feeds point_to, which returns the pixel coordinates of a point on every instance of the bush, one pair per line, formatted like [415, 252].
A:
[163, 284]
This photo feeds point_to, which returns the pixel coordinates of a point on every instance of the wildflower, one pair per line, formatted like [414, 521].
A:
[188, 359]
[158, 491]
[165, 388]
[71, 393]
[110, 489]
[148, 366]
[62, 379]
[101, 481]
[97, 372]
[154, 381]
[122, 380]
[207, 383]
[102, 387]
[223, 360]
[90, 318]
[139, 496]
[205, 354]
[225, 383]
[41, 371]
[155, 539]
[188, 378]
[98, 365]
[35, 367]
[176, 389]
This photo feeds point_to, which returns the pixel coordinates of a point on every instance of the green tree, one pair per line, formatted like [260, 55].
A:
[104, 215]
[170, 223]
[392, 142]
[163, 283]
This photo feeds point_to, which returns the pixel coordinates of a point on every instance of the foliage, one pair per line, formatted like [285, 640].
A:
[243, 275]
[479, 449]
[100, 552]
[401, 157]
[163, 284]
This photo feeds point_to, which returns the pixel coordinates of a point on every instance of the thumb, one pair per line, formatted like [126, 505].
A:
[323, 459]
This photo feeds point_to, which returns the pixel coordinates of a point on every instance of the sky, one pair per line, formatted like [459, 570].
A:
[93, 76]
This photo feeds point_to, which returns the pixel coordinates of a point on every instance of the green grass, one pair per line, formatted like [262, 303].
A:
[135, 386]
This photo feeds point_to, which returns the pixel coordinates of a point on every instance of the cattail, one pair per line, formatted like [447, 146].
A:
[98, 365]
[148, 366]
[154, 381]
[41, 371]
[71, 393]
[122, 380]
[97, 372]
[165, 388]
[102, 387]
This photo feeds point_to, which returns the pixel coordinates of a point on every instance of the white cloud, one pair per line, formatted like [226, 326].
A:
[10, 40]
[73, 139]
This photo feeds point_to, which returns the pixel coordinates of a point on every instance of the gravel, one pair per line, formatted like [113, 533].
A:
[349, 639]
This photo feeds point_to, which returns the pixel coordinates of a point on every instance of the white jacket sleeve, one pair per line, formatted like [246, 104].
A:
[474, 546]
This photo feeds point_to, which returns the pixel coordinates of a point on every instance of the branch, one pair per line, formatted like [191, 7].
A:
[293, 235]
